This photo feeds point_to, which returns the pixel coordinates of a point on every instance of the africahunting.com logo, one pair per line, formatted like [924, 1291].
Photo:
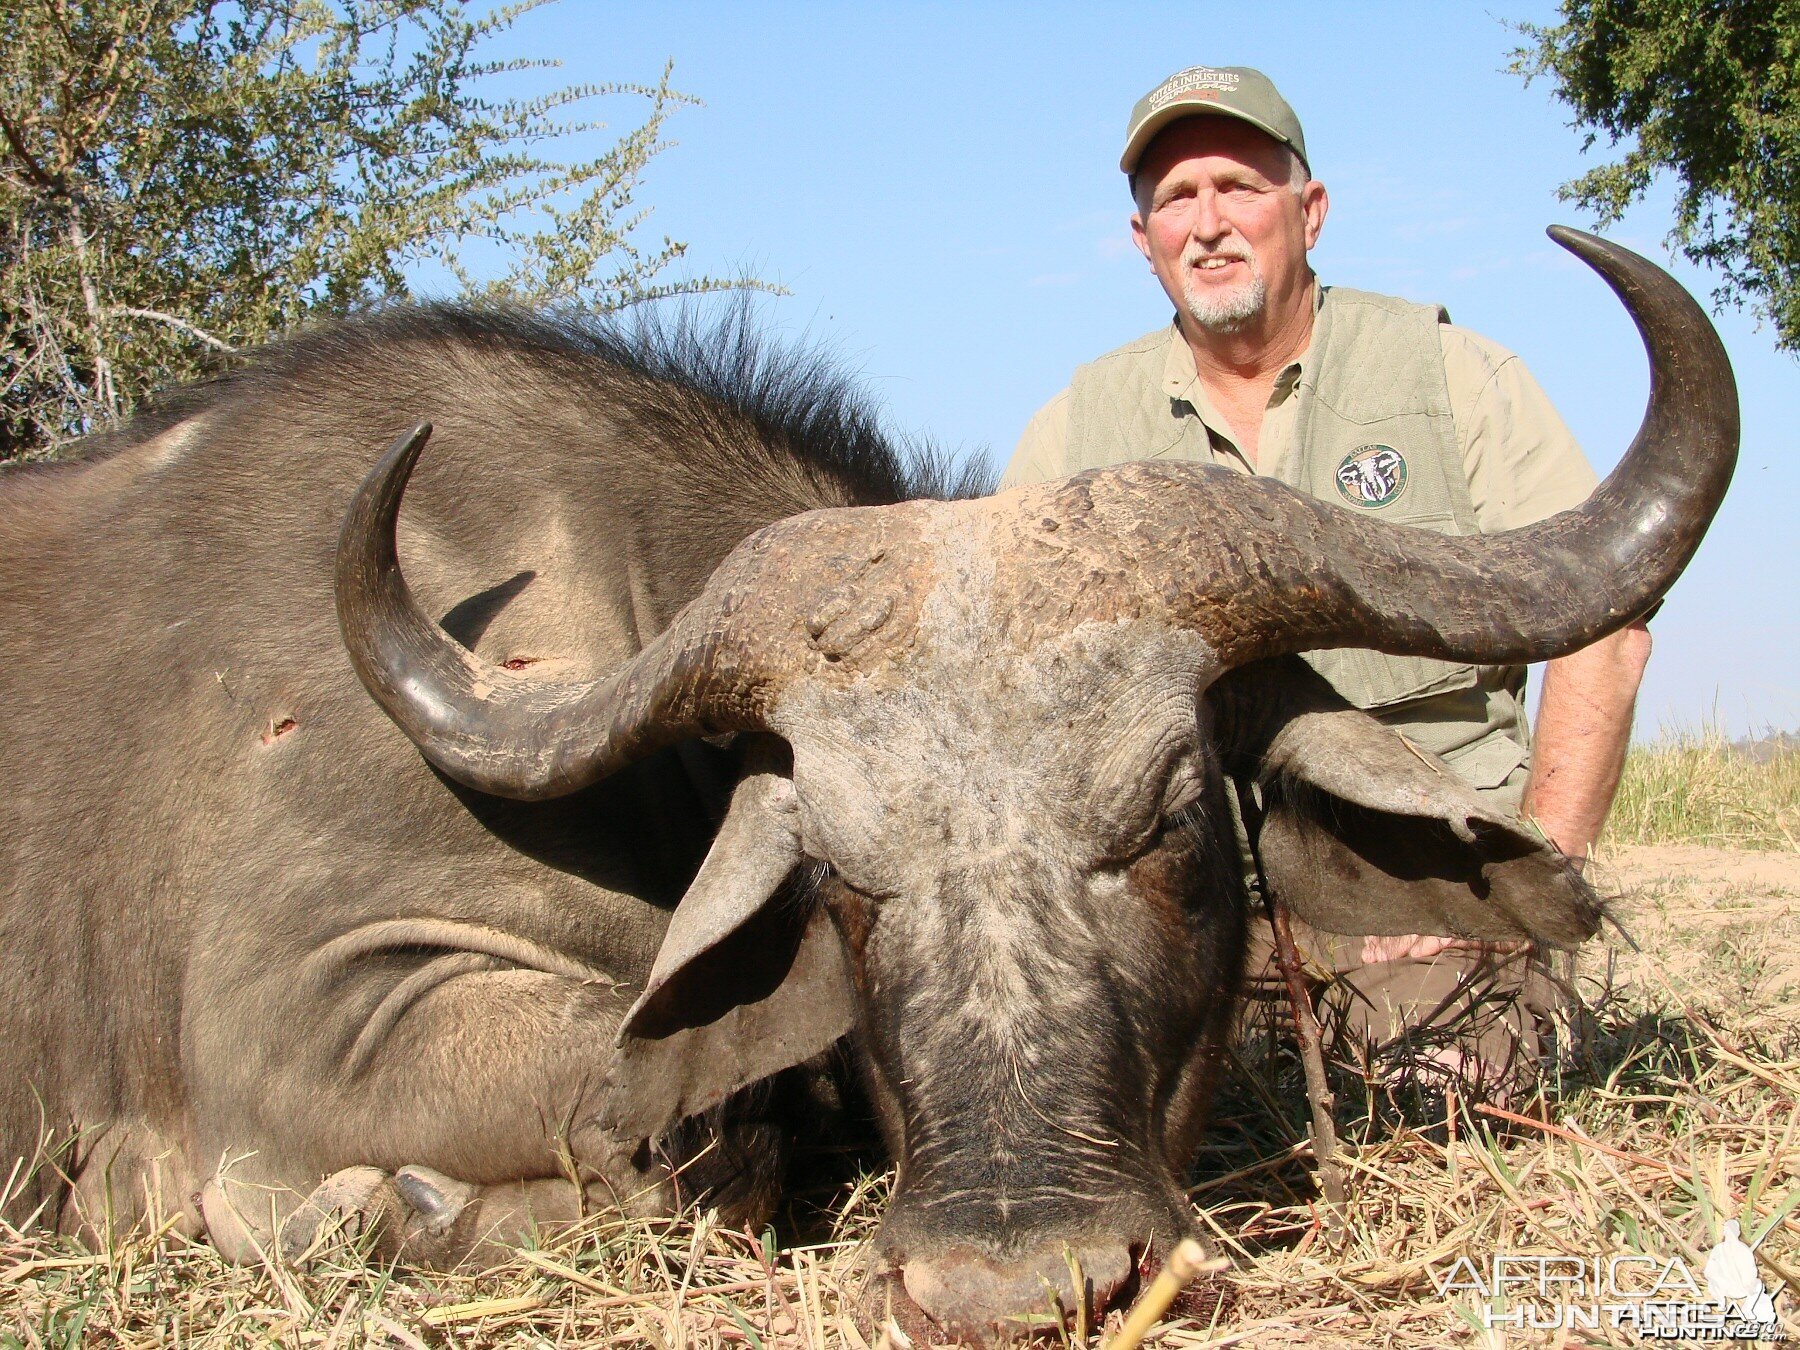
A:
[1656, 1297]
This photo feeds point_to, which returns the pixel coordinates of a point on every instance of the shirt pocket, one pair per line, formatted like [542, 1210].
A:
[1374, 680]
[1489, 762]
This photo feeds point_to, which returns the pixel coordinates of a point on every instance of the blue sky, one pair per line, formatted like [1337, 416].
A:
[936, 187]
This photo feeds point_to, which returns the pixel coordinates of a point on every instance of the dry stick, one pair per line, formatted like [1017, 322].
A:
[1225, 1179]
[1575, 1137]
[1306, 1030]
[1185, 1264]
[181, 325]
[104, 387]
[1312, 1058]
[1450, 1140]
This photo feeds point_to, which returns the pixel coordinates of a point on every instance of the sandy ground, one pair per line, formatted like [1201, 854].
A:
[1726, 922]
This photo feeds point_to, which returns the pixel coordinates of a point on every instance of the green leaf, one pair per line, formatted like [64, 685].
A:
[180, 180]
[1708, 93]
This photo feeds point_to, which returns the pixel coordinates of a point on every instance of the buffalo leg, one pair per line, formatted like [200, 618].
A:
[445, 1063]
[417, 1215]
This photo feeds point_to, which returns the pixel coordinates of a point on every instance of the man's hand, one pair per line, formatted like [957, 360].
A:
[1423, 946]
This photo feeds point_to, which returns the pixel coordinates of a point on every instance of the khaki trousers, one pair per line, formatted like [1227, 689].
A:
[1472, 1019]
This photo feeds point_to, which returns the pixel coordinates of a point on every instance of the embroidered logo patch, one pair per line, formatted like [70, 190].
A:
[1372, 475]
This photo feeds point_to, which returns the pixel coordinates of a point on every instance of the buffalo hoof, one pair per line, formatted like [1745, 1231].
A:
[438, 1201]
[409, 1216]
[355, 1202]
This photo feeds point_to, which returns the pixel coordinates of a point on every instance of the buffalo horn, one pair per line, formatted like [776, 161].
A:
[505, 733]
[1259, 569]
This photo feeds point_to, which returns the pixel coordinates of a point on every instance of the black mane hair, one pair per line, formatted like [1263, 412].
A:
[691, 374]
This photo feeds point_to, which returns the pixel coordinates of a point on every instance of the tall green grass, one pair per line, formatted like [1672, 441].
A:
[1695, 787]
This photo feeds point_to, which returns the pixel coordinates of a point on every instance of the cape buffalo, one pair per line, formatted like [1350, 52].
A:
[697, 747]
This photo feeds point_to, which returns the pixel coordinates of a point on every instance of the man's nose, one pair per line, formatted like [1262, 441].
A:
[1208, 225]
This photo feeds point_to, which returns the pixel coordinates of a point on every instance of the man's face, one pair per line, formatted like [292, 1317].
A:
[1225, 231]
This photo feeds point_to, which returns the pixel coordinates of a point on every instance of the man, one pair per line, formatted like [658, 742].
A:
[1380, 406]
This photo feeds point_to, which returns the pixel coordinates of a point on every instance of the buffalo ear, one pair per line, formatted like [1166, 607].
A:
[1363, 833]
[750, 979]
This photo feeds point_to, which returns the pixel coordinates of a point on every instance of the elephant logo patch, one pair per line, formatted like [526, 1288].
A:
[1372, 475]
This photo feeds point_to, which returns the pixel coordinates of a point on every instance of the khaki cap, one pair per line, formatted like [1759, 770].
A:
[1224, 91]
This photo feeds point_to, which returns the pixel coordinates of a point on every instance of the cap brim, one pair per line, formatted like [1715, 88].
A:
[1174, 112]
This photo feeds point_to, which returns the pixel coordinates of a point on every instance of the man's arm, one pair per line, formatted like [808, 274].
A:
[1583, 730]
[1523, 465]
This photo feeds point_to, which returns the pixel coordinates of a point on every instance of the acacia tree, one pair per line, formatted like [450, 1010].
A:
[182, 178]
[1708, 90]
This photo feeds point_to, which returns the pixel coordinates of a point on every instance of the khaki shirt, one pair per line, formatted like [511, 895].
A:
[1522, 463]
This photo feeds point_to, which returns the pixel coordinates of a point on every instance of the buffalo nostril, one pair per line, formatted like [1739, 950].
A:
[966, 1291]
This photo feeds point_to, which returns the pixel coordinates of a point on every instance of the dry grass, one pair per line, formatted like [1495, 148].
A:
[1691, 1122]
[1677, 1108]
[1693, 787]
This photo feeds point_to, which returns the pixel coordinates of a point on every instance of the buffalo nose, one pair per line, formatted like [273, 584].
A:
[972, 1294]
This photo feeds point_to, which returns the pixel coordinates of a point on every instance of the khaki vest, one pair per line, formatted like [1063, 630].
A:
[1373, 433]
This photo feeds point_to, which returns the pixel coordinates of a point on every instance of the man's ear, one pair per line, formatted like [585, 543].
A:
[1315, 204]
[1365, 834]
[1139, 236]
[751, 977]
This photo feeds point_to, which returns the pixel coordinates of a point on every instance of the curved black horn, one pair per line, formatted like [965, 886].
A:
[501, 732]
[1295, 573]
